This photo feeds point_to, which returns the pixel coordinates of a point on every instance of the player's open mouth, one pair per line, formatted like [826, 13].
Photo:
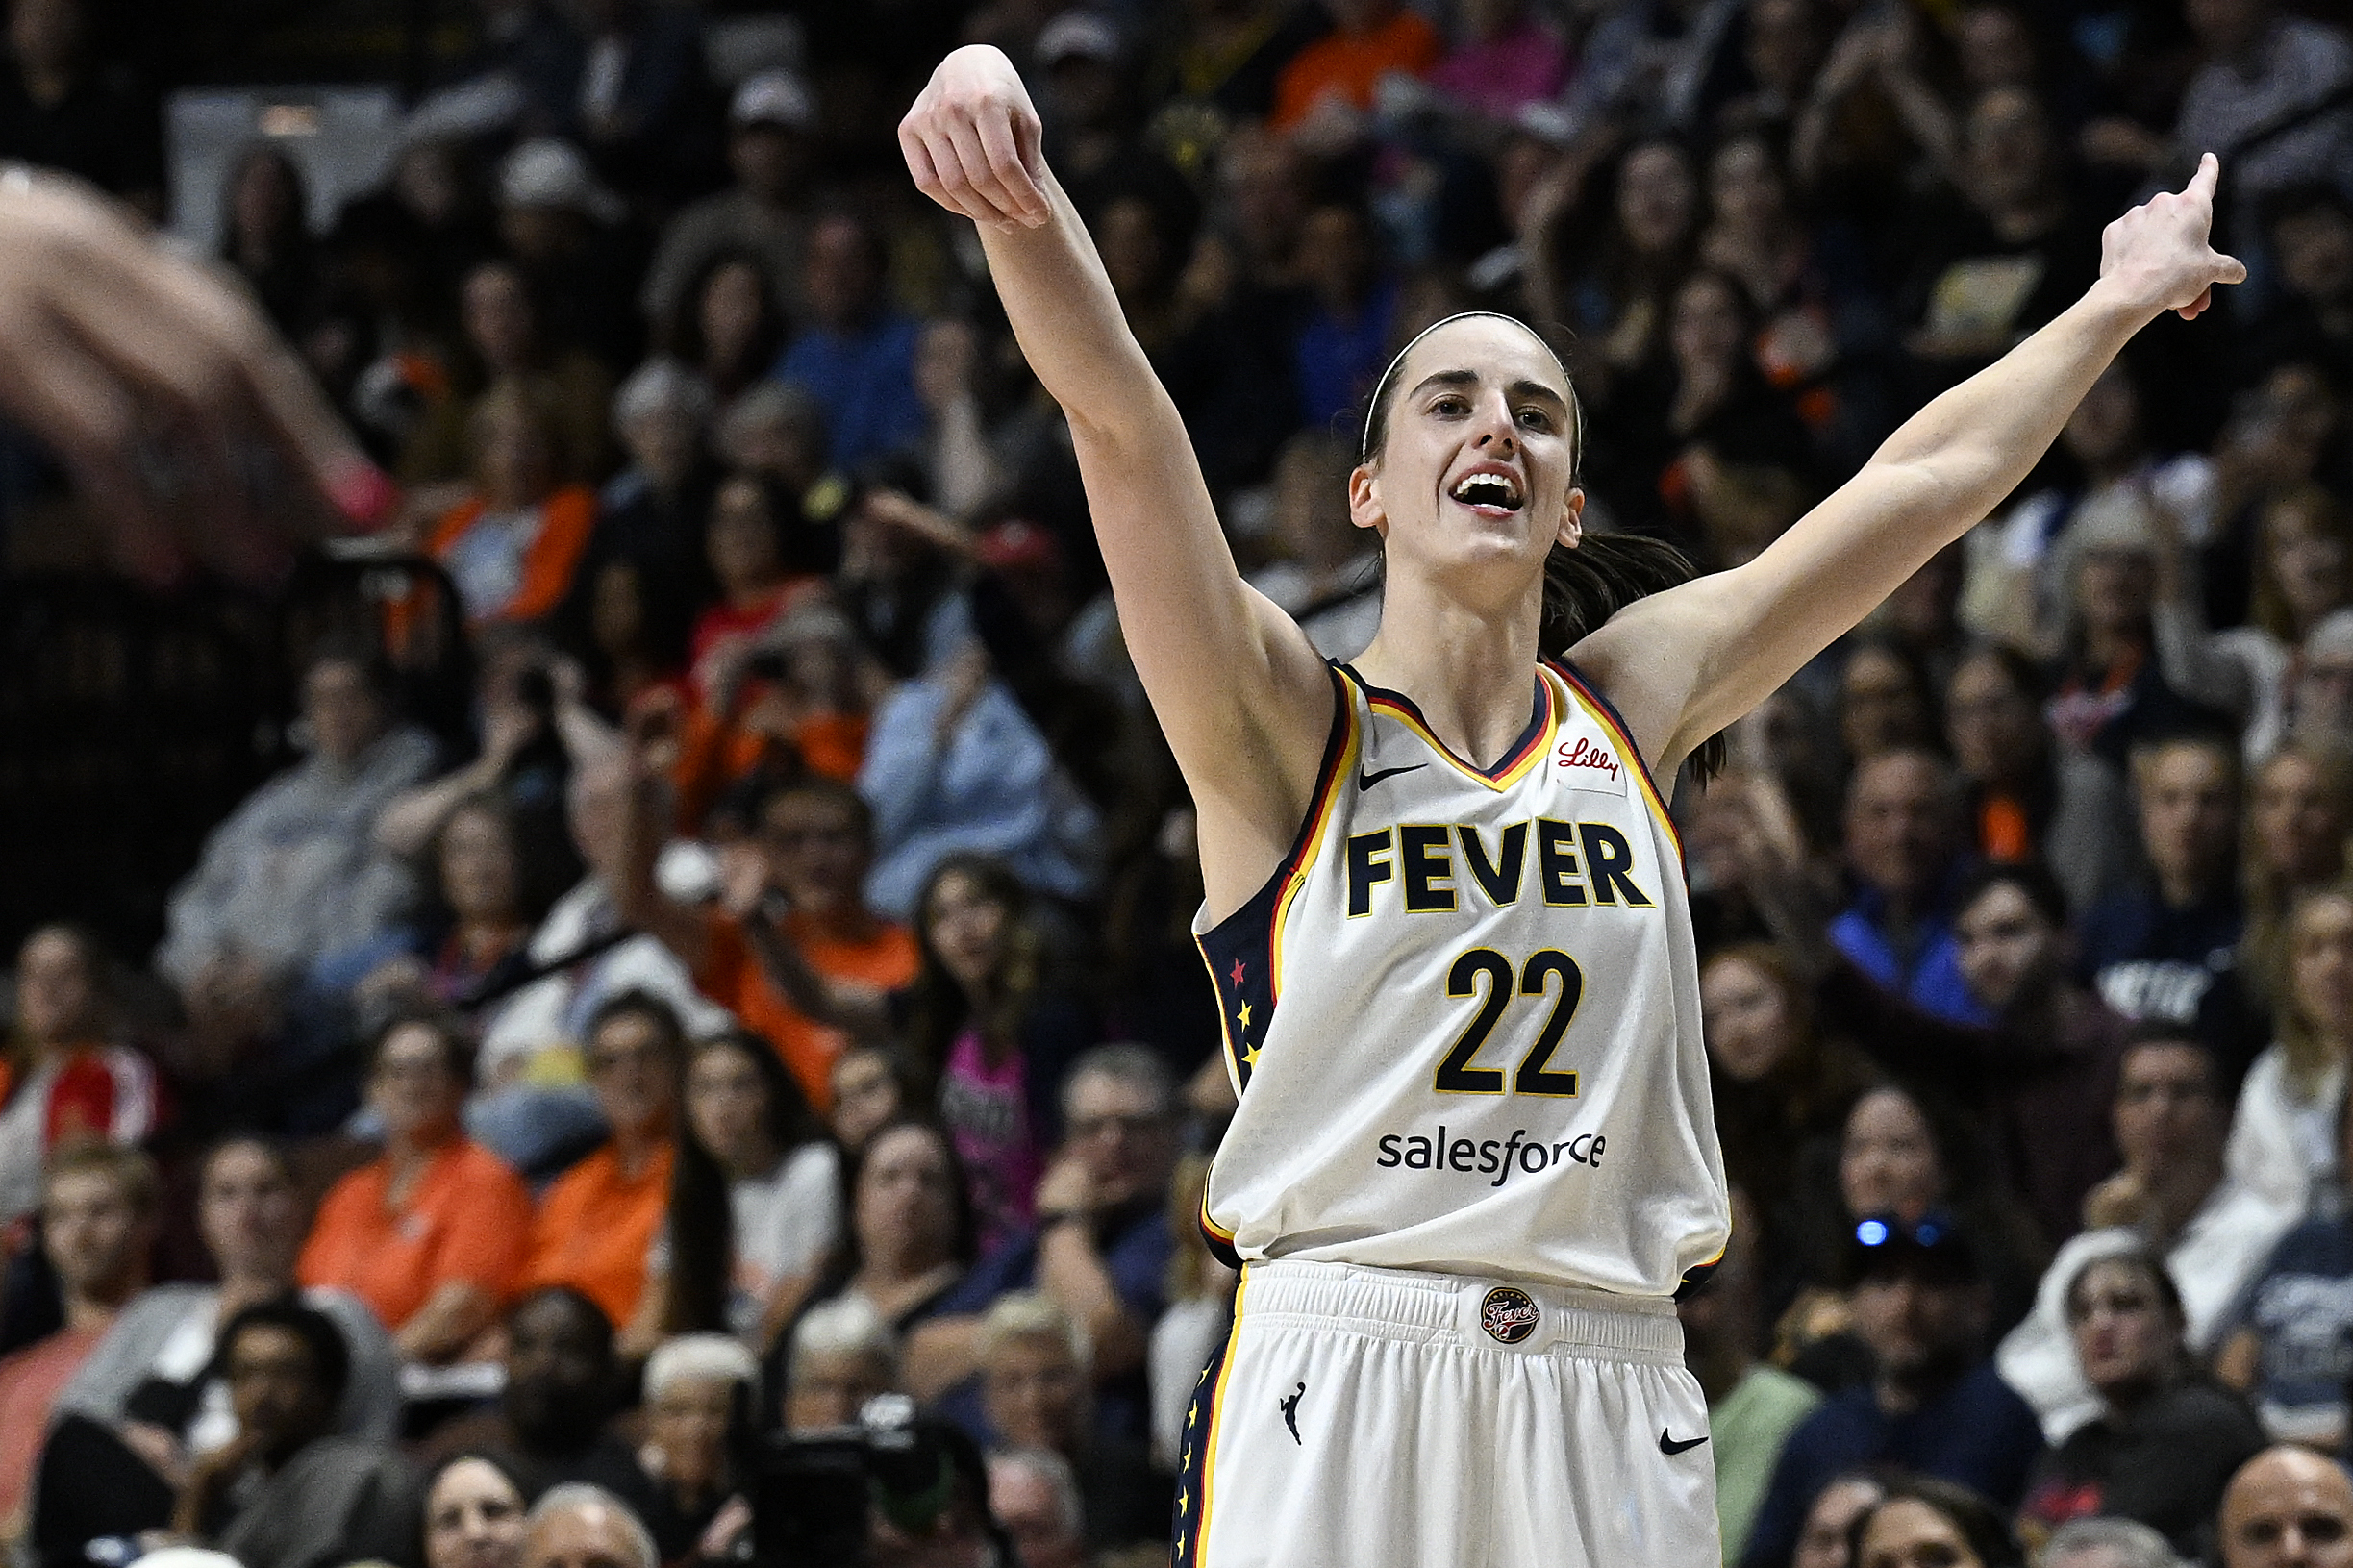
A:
[1493, 494]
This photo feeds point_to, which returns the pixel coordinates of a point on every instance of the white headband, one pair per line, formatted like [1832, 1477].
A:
[1380, 388]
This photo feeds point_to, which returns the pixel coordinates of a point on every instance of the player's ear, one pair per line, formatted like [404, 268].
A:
[1365, 508]
[1572, 520]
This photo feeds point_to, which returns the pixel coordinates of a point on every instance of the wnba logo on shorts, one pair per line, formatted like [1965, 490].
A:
[1509, 1314]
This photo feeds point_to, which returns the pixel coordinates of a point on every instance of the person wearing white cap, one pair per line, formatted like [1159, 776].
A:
[568, 233]
[771, 135]
[1474, 1159]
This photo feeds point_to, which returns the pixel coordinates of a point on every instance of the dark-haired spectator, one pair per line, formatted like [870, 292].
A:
[61, 1079]
[2167, 1441]
[1887, 699]
[1933, 1405]
[808, 955]
[873, 1086]
[2032, 797]
[562, 1387]
[294, 872]
[1923, 1519]
[156, 1364]
[267, 235]
[751, 1142]
[98, 1224]
[856, 355]
[512, 545]
[2287, 1507]
[728, 324]
[2172, 1197]
[1752, 1405]
[1903, 847]
[2291, 1343]
[506, 340]
[763, 556]
[1037, 1383]
[288, 1493]
[2299, 812]
[432, 1234]
[2014, 942]
[598, 1222]
[473, 1515]
[772, 134]
[62, 108]
[2283, 1135]
[2167, 951]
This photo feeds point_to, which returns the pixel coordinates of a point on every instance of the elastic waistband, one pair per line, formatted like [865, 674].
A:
[1509, 1314]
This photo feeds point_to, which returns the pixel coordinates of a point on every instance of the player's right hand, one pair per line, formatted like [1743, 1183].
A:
[971, 140]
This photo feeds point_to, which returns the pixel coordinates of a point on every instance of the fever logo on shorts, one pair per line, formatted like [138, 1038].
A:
[1509, 1315]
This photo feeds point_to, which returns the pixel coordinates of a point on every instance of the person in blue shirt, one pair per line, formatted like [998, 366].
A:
[1903, 847]
[856, 358]
[1935, 1403]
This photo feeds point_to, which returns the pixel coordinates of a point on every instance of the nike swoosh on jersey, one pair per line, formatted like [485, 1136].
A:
[1365, 780]
[1670, 1445]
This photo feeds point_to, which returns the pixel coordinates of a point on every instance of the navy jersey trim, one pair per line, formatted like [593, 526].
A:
[1540, 725]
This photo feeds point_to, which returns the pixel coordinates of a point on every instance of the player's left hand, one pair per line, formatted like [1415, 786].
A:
[2159, 253]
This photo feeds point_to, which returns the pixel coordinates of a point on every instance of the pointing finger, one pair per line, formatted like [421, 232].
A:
[2202, 184]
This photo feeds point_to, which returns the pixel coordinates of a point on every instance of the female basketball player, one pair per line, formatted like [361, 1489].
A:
[1473, 1158]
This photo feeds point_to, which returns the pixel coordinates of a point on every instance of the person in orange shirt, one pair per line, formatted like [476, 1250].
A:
[1369, 39]
[511, 547]
[431, 1233]
[809, 966]
[598, 1222]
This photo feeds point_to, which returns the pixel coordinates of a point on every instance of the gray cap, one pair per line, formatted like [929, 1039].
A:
[774, 98]
[1078, 35]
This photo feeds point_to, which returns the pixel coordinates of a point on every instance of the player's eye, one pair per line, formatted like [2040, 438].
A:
[1535, 419]
[1450, 406]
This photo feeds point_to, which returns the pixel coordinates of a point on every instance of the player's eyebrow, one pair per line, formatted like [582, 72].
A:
[1534, 391]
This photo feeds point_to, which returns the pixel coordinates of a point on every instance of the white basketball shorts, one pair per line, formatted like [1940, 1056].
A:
[1382, 1418]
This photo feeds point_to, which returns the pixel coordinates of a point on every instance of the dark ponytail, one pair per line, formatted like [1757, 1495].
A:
[1605, 573]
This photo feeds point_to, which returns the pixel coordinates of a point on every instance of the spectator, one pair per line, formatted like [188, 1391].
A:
[728, 325]
[532, 1108]
[580, 1525]
[2032, 797]
[294, 873]
[98, 1224]
[1342, 339]
[568, 234]
[644, 108]
[563, 1386]
[2167, 1442]
[267, 235]
[2290, 1343]
[432, 1233]
[1830, 1523]
[1035, 1495]
[772, 130]
[1618, 300]
[857, 355]
[63, 109]
[2311, 230]
[288, 1493]
[1887, 699]
[873, 1086]
[2298, 815]
[2287, 1507]
[2107, 1543]
[1369, 39]
[1925, 1519]
[1327, 579]
[512, 546]
[1101, 1244]
[508, 340]
[473, 1515]
[1506, 56]
[2167, 951]
[752, 1141]
[696, 1389]
[1920, 1307]
[2262, 69]
[647, 520]
[2282, 1138]
[2011, 927]
[987, 1023]
[1036, 1379]
[61, 1078]
[810, 955]
[841, 1355]
[761, 564]
[909, 1229]
[1752, 1407]
[1902, 846]
[156, 1366]
[2169, 1119]
[597, 1223]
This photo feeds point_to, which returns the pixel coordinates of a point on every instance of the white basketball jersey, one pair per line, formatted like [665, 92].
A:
[1463, 1017]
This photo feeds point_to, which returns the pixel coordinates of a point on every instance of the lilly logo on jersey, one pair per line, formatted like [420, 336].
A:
[1510, 1314]
[1583, 753]
[1414, 1152]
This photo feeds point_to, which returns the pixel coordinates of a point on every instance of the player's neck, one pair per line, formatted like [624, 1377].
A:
[1467, 670]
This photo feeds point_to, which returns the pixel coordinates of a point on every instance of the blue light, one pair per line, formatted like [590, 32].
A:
[1871, 1232]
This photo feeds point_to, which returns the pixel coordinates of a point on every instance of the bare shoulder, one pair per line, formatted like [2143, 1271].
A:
[1647, 661]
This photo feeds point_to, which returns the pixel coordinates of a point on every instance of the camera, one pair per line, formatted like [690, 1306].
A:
[863, 1496]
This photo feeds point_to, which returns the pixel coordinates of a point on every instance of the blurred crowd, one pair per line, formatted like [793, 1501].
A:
[719, 964]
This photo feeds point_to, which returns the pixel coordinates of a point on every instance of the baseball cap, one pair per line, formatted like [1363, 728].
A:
[552, 173]
[1078, 35]
[774, 98]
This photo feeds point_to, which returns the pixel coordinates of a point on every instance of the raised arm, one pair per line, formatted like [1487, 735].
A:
[1684, 663]
[1237, 688]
